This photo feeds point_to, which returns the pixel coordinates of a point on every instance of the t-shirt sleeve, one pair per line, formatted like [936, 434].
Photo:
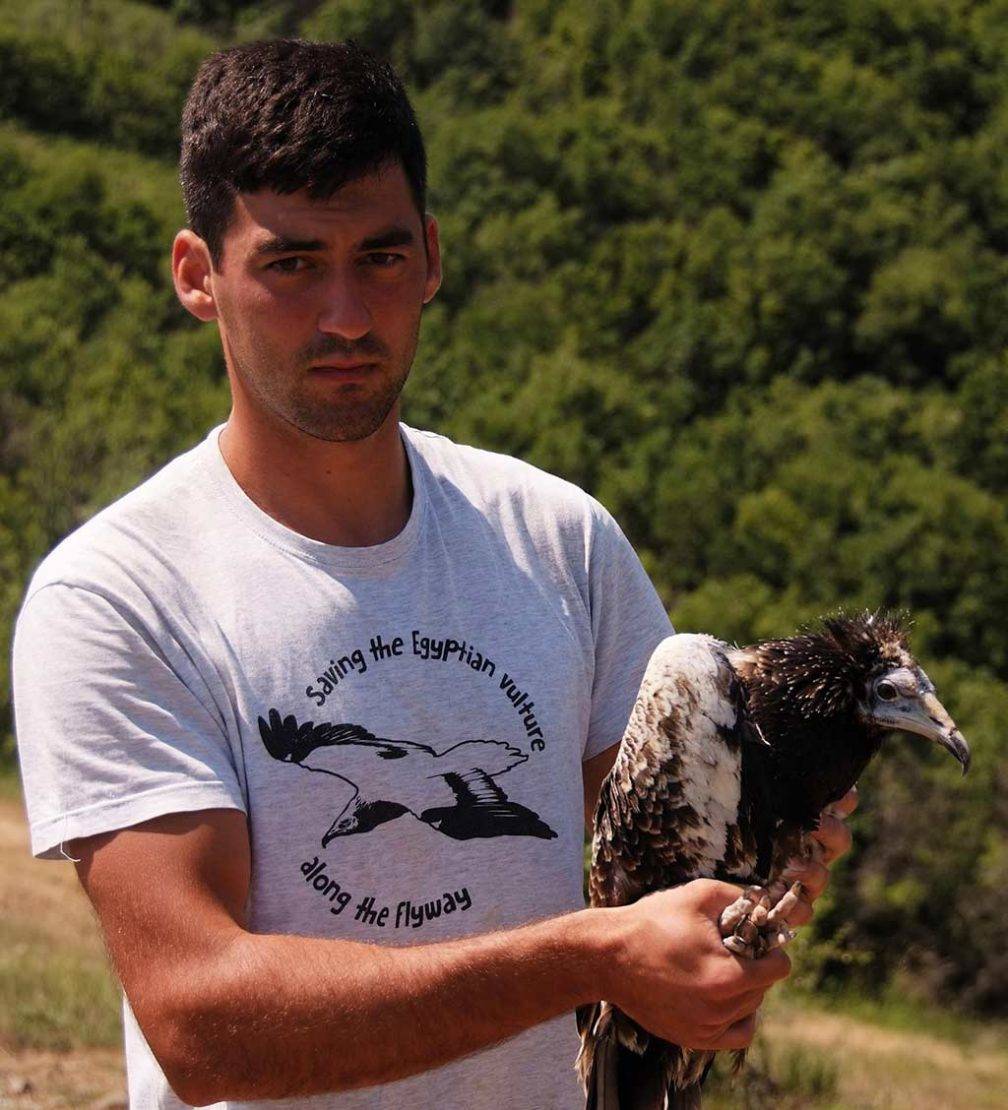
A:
[113, 726]
[628, 622]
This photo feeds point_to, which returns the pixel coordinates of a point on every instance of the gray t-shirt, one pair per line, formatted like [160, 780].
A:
[403, 724]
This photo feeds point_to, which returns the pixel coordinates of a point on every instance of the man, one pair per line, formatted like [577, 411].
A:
[320, 709]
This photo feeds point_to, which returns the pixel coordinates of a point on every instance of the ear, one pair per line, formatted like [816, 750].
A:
[192, 274]
[433, 282]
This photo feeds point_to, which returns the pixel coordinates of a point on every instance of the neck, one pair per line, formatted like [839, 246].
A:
[353, 494]
[825, 759]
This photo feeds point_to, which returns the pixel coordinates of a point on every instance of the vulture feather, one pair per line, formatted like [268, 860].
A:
[730, 755]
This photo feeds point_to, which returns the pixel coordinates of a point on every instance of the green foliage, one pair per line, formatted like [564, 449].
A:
[376, 24]
[458, 44]
[102, 375]
[739, 269]
[108, 70]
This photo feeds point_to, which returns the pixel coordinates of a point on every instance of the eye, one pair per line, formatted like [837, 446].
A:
[283, 265]
[886, 690]
[384, 260]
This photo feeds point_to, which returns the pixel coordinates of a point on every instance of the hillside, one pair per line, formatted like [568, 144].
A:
[738, 269]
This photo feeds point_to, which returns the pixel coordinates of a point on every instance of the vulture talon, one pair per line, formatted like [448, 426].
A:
[737, 946]
[747, 931]
[787, 903]
[733, 914]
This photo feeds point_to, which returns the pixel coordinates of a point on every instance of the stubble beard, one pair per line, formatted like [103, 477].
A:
[330, 411]
[351, 412]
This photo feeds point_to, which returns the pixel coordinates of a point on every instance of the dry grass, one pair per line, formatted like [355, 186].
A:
[60, 1028]
[56, 988]
[809, 1057]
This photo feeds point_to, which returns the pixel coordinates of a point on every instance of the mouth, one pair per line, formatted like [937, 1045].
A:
[344, 369]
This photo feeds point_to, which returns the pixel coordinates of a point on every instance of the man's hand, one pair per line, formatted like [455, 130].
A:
[673, 975]
[830, 841]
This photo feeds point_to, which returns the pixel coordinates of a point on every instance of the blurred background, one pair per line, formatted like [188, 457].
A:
[737, 267]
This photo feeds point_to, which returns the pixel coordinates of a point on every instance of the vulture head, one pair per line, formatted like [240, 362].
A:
[893, 692]
[824, 699]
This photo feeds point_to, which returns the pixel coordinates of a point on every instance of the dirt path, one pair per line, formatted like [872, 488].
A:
[89, 1078]
[877, 1068]
[47, 895]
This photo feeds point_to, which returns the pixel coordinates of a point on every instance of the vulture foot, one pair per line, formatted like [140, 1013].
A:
[758, 920]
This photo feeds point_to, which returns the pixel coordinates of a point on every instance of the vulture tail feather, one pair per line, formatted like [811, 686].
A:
[688, 1098]
[644, 1080]
[617, 1077]
[603, 1076]
[590, 1021]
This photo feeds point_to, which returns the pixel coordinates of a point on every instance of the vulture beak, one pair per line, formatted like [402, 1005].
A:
[341, 825]
[904, 699]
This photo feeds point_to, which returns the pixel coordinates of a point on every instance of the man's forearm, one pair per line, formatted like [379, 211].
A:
[280, 1016]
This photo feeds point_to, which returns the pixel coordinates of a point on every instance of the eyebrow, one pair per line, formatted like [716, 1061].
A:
[395, 236]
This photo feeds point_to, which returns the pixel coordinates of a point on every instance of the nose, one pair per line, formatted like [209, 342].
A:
[344, 311]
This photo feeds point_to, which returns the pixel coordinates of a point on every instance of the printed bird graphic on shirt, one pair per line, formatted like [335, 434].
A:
[452, 791]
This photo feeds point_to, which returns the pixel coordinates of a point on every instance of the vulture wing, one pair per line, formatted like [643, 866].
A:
[668, 812]
[669, 809]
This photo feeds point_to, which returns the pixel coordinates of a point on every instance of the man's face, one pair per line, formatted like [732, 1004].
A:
[311, 283]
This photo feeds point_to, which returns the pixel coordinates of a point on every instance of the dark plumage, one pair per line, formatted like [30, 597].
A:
[728, 760]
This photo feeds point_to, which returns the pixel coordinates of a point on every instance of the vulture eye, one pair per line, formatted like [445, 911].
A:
[886, 690]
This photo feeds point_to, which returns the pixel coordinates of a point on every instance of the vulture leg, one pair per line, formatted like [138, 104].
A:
[757, 921]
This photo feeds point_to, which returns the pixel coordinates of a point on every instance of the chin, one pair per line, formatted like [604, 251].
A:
[346, 424]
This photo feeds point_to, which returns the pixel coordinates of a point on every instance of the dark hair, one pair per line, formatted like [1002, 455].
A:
[287, 114]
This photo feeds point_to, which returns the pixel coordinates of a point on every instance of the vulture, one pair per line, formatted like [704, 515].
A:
[453, 791]
[729, 757]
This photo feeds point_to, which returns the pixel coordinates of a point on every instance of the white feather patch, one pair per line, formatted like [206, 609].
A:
[684, 686]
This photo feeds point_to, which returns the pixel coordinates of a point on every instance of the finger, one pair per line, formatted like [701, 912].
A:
[844, 806]
[746, 1004]
[768, 969]
[712, 896]
[834, 836]
[737, 1035]
[812, 876]
[800, 914]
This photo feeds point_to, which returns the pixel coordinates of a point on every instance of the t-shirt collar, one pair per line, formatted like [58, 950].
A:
[360, 559]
